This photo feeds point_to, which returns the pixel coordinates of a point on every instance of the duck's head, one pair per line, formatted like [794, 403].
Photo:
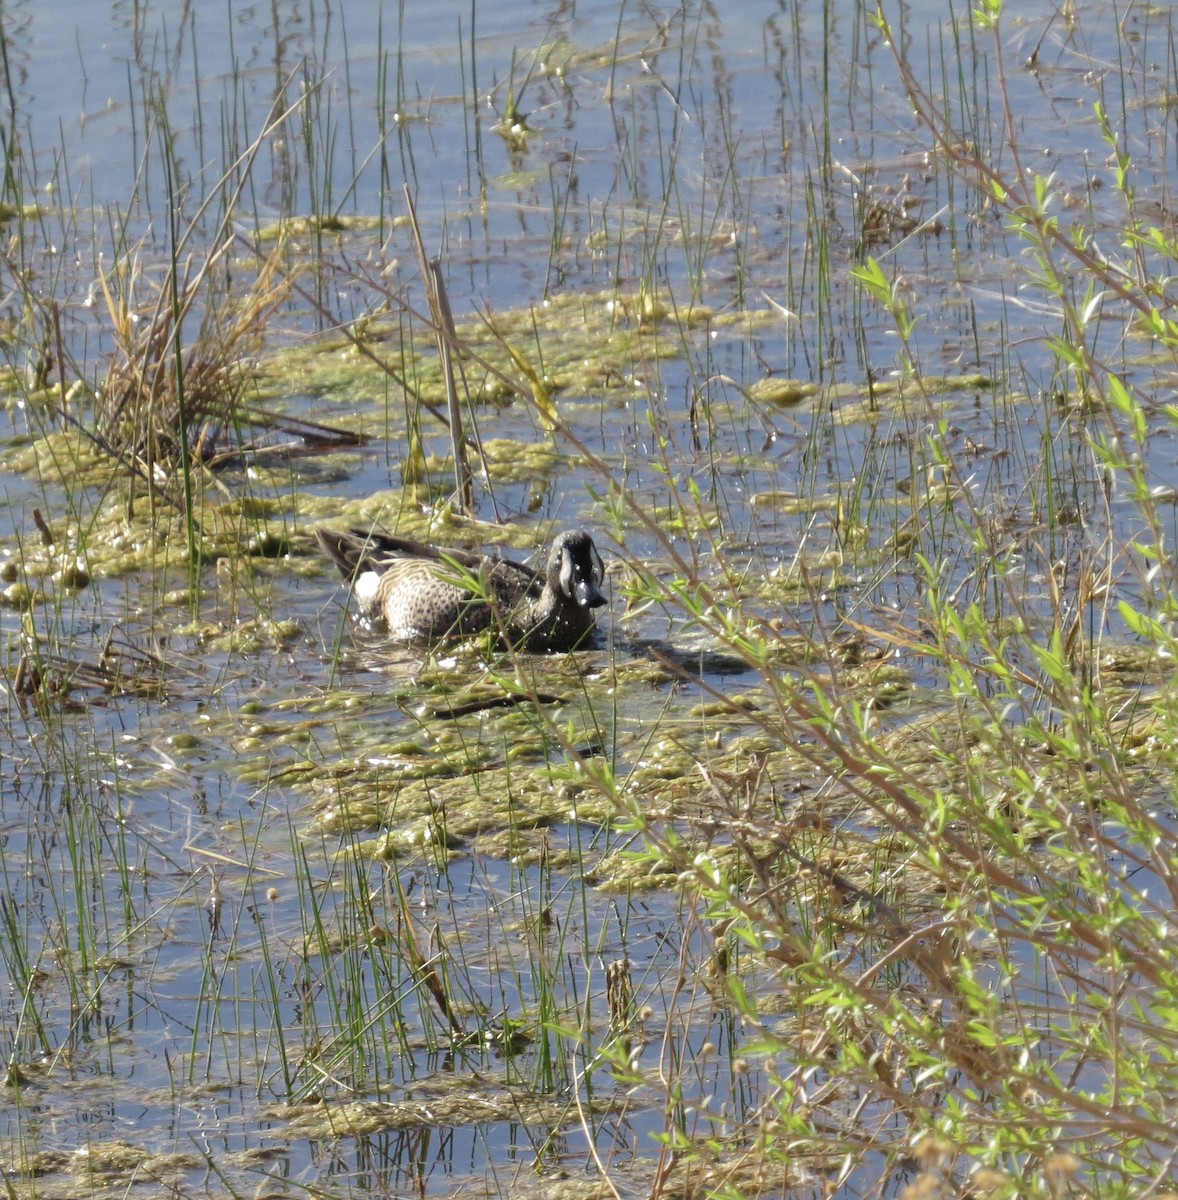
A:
[575, 569]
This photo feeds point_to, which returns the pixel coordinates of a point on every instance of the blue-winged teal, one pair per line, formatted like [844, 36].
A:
[425, 593]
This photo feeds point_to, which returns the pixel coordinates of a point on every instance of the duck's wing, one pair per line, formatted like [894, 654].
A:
[368, 549]
[505, 571]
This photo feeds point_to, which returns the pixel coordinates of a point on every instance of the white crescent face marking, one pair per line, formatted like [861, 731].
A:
[566, 572]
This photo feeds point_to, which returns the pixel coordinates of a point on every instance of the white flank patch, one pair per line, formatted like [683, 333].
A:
[364, 588]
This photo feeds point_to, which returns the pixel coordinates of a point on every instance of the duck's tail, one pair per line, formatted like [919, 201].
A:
[348, 549]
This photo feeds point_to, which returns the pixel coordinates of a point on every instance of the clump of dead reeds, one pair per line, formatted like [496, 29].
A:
[169, 396]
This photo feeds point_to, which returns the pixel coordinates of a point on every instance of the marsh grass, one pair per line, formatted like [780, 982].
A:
[157, 407]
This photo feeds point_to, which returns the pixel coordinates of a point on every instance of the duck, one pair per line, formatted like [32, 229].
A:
[426, 593]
